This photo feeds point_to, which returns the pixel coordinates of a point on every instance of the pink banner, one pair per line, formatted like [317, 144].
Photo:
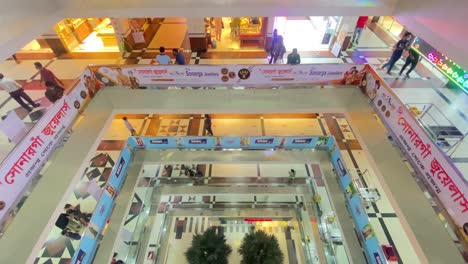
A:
[28, 157]
[344, 74]
[431, 162]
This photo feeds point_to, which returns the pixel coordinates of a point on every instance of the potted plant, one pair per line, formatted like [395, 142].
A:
[208, 248]
[260, 248]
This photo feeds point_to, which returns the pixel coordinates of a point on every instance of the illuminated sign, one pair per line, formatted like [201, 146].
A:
[449, 68]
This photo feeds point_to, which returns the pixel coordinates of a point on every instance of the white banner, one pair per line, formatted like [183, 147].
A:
[337, 74]
[28, 157]
[445, 180]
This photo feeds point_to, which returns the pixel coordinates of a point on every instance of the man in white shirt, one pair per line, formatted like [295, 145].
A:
[162, 57]
[16, 92]
[129, 126]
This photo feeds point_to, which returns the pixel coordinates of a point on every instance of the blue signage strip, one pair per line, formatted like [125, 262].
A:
[117, 176]
[86, 251]
[300, 142]
[264, 142]
[102, 212]
[197, 142]
[362, 224]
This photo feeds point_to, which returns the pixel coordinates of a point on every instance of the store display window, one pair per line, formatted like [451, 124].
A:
[234, 33]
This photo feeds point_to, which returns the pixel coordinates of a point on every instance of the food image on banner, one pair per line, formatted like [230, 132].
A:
[367, 232]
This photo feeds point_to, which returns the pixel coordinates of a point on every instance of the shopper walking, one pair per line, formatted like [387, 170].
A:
[360, 26]
[278, 50]
[16, 92]
[292, 176]
[402, 45]
[179, 57]
[47, 75]
[412, 59]
[274, 39]
[208, 125]
[162, 57]
[294, 58]
[129, 126]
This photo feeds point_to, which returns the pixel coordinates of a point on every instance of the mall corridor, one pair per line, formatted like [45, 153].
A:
[336, 159]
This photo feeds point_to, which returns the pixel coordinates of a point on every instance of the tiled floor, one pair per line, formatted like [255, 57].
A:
[387, 226]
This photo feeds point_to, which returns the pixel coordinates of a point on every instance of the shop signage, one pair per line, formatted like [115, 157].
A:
[439, 173]
[28, 157]
[232, 74]
[449, 68]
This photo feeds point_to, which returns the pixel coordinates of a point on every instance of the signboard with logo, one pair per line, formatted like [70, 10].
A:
[356, 209]
[196, 142]
[28, 157]
[231, 74]
[228, 142]
[117, 175]
[431, 162]
[300, 142]
[264, 142]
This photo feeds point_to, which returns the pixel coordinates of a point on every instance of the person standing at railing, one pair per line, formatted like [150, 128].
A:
[47, 75]
[179, 57]
[129, 126]
[162, 57]
[17, 92]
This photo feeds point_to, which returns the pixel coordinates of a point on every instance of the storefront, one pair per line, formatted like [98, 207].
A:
[234, 33]
[389, 24]
[72, 36]
[306, 34]
[87, 35]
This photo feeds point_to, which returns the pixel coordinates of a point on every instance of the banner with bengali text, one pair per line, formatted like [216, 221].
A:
[431, 162]
[135, 76]
[28, 157]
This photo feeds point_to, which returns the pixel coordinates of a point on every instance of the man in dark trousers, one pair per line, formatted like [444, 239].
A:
[402, 45]
[412, 59]
[208, 125]
[294, 58]
[16, 92]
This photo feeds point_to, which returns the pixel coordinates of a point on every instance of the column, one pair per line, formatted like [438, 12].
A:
[344, 34]
[119, 29]
[197, 34]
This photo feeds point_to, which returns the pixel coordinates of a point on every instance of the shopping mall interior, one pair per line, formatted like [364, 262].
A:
[357, 154]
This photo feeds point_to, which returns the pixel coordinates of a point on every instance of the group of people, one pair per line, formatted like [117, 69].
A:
[404, 44]
[72, 220]
[277, 51]
[164, 59]
[54, 88]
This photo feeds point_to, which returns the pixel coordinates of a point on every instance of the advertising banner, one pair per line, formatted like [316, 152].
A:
[102, 212]
[117, 176]
[196, 142]
[439, 173]
[85, 253]
[340, 169]
[228, 142]
[300, 142]
[28, 157]
[265, 142]
[133, 76]
[153, 142]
